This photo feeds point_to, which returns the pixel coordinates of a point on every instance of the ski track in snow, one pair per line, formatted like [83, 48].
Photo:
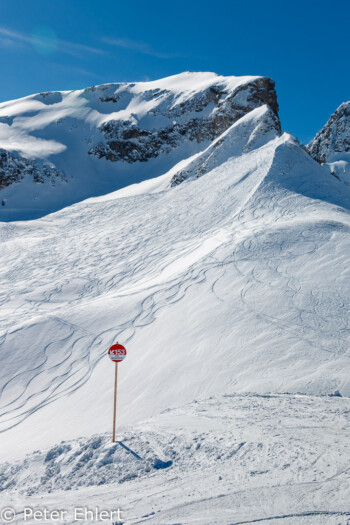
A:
[247, 233]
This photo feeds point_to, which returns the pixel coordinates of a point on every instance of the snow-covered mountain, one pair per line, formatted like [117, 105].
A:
[226, 273]
[332, 144]
[58, 148]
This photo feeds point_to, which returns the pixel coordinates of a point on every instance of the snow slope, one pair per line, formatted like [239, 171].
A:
[235, 280]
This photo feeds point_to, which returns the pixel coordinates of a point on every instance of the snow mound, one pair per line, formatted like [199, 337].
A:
[86, 462]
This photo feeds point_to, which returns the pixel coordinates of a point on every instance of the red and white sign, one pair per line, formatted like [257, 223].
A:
[117, 353]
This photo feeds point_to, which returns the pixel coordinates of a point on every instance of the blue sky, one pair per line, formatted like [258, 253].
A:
[304, 46]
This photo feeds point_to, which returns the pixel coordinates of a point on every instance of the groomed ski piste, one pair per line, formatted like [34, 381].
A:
[231, 459]
[230, 292]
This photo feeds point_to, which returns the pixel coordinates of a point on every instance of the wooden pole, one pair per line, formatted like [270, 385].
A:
[115, 400]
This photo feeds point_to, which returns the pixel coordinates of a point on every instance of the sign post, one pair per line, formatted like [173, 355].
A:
[117, 354]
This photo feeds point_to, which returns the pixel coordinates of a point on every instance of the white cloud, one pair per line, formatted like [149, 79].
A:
[140, 47]
[10, 38]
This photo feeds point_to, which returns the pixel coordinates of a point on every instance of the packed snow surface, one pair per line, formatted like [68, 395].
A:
[227, 460]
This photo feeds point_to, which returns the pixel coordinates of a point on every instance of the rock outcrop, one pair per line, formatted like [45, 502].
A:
[14, 168]
[203, 117]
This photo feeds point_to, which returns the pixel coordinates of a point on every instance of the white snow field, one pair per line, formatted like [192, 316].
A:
[235, 281]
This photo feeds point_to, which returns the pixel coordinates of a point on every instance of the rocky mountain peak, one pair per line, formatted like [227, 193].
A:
[194, 115]
[334, 137]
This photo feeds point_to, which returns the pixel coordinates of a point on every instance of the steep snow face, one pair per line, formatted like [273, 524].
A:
[58, 148]
[237, 280]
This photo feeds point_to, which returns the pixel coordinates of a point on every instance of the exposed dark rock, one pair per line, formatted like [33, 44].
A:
[13, 168]
[111, 98]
